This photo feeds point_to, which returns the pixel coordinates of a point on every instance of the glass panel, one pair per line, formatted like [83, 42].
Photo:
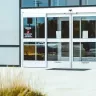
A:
[58, 51]
[88, 2]
[52, 51]
[34, 27]
[76, 27]
[29, 27]
[88, 27]
[65, 49]
[34, 3]
[51, 27]
[45, 3]
[29, 51]
[54, 30]
[65, 29]
[41, 3]
[88, 51]
[28, 3]
[40, 27]
[40, 51]
[76, 51]
[34, 51]
[64, 3]
[71, 3]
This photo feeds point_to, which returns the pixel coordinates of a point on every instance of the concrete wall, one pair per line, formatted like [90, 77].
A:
[9, 32]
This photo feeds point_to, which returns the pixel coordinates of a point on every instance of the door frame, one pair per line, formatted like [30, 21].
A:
[71, 40]
[61, 64]
[33, 63]
[84, 64]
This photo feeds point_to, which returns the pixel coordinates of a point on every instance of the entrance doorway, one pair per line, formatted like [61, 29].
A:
[59, 40]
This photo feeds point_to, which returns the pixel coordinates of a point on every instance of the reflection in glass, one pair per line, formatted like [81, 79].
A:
[29, 27]
[58, 51]
[88, 2]
[51, 27]
[27, 3]
[52, 51]
[87, 25]
[65, 49]
[40, 27]
[34, 3]
[65, 29]
[34, 51]
[40, 51]
[34, 27]
[29, 51]
[41, 3]
[76, 27]
[48, 3]
[76, 51]
[88, 51]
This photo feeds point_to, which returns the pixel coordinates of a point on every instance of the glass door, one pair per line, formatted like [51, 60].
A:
[58, 41]
[33, 40]
[84, 41]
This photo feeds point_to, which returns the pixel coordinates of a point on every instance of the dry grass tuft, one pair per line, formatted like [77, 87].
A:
[14, 85]
[19, 91]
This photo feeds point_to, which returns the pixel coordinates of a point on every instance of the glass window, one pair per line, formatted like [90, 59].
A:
[64, 49]
[64, 2]
[40, 51]
[65, 28]
[29, 51]
[34, 3]
[56, 31]
[34, 51]
[84, 51]
[58, 51]
[29, 27]
[51, 27]
[88, 27]
[34, 27]
[48, 3]
[88, 51]
[76, 51]
[84, 27]
[41, 3]
[40, 32]
[28, 3]
[76, 27]
[88, 2]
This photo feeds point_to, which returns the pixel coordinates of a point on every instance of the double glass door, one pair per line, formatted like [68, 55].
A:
[59, 40]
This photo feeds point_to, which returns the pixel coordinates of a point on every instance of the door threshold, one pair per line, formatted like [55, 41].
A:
[68, 69]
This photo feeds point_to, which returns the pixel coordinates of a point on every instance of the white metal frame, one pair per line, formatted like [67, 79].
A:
[33, 63]
[83, 64]
[58, 12]
[60, 64]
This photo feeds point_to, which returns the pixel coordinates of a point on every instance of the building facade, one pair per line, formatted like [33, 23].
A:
[10, 33]
[54, 34]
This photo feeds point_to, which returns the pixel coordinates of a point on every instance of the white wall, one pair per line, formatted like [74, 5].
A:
[9, 56]
[9, 18]
[9, 31]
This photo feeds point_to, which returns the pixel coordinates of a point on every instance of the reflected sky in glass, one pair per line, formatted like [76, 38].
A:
[40, 20]
[46, 3]
[34, 3]
[88, 2]
[85, 18]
